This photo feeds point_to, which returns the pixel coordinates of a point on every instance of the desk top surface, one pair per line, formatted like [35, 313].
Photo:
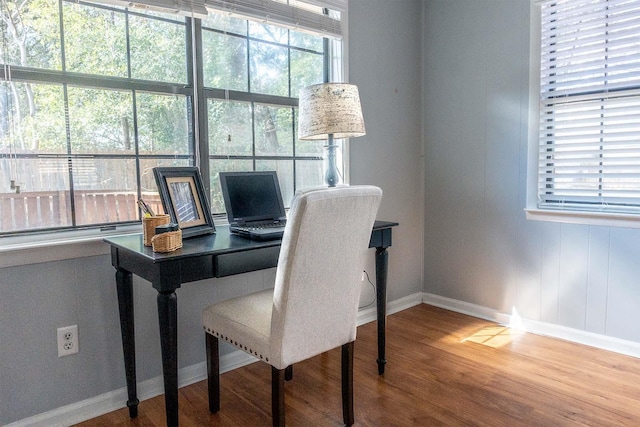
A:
[221, 242]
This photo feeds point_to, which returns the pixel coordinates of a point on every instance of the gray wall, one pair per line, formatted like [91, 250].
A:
[36, 299]
[479, 248]
[384, 61]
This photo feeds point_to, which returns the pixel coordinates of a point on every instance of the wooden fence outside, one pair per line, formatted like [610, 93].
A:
[46, 209]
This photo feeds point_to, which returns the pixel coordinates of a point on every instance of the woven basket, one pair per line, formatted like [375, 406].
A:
[167, 242]
[149, 224]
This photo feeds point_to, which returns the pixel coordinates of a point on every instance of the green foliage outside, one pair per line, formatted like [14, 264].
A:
[52, 109]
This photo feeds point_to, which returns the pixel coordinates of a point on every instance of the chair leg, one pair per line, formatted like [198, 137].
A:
[288, 373]
[277, 396]
[213, 373]
[347, 383]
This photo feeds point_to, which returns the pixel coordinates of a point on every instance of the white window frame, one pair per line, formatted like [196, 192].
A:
[562, 215]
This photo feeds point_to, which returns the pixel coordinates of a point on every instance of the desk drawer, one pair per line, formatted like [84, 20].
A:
[243, 262]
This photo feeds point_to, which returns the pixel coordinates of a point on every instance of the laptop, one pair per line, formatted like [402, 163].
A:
[254, 204]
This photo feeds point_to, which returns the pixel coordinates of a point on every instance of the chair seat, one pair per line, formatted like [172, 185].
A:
[313, 307]
[247, 319]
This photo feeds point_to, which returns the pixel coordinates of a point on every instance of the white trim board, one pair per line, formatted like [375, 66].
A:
[603, 342]
[116, 399]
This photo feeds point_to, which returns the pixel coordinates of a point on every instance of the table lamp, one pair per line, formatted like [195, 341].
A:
[328, 111]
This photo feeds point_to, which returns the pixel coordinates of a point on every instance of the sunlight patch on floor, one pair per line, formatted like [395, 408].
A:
[494, 336]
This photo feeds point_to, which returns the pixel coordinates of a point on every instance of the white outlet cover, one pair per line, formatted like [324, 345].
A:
[68, 340]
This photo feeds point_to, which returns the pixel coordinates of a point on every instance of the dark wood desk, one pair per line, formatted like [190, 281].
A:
[216, 255]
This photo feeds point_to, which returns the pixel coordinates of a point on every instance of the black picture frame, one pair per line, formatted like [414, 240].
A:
[184, 199]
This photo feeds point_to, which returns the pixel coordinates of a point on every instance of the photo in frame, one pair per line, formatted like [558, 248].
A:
[184, 199]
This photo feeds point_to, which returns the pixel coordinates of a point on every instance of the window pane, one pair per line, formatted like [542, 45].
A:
[95, 40]
[224, 165]
[33, 120]
[308, 147]
[266, 32]
[37, 34]
[269, 69]
[309, 173]
[104, 190]
[284, 169]
[43, 201]
[163, 126]
[306, 70]
[230, 128]
[306, 41]
[273, 130]
[100, 121]
[158, 50]
[224, 61]
[167, 16]
[225, 23]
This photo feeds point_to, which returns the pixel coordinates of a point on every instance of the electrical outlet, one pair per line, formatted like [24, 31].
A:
[67, 340]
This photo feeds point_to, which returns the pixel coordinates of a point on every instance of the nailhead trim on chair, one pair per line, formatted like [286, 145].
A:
[235, 343]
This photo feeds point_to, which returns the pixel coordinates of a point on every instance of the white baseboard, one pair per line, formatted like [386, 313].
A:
[116, 399]
[604, 342]
[370, 314]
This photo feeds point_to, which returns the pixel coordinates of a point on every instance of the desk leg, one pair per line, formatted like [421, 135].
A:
[124, 284]
[168, 315]
[382, 259]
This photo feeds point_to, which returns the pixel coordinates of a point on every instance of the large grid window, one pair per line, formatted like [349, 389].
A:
[259, 70]
[93, 96]
[589, 135]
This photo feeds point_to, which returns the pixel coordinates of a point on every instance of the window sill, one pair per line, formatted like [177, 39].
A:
[35, 249]
[39, 248]
[589, 218]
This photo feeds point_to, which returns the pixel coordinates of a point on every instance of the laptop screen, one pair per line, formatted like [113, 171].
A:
[252, 196]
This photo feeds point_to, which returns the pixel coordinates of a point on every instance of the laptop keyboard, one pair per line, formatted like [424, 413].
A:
[260, 226]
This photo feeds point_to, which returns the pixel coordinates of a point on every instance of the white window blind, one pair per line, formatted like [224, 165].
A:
[589, 149]
[194, 8]
[306, 16]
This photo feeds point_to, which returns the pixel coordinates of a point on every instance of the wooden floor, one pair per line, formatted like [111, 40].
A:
[444, 368]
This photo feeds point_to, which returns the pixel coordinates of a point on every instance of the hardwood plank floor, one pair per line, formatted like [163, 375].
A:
[444, 368]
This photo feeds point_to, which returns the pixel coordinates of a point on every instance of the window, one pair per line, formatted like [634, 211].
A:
[589, 127]
[93, 95]
[252, 75]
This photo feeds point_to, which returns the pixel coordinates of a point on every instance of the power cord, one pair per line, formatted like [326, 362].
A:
[374, 291]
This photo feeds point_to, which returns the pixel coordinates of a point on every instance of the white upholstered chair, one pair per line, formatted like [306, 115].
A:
[314, 304]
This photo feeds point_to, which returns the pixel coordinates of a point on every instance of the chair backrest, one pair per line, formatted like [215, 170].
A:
[318, 279]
